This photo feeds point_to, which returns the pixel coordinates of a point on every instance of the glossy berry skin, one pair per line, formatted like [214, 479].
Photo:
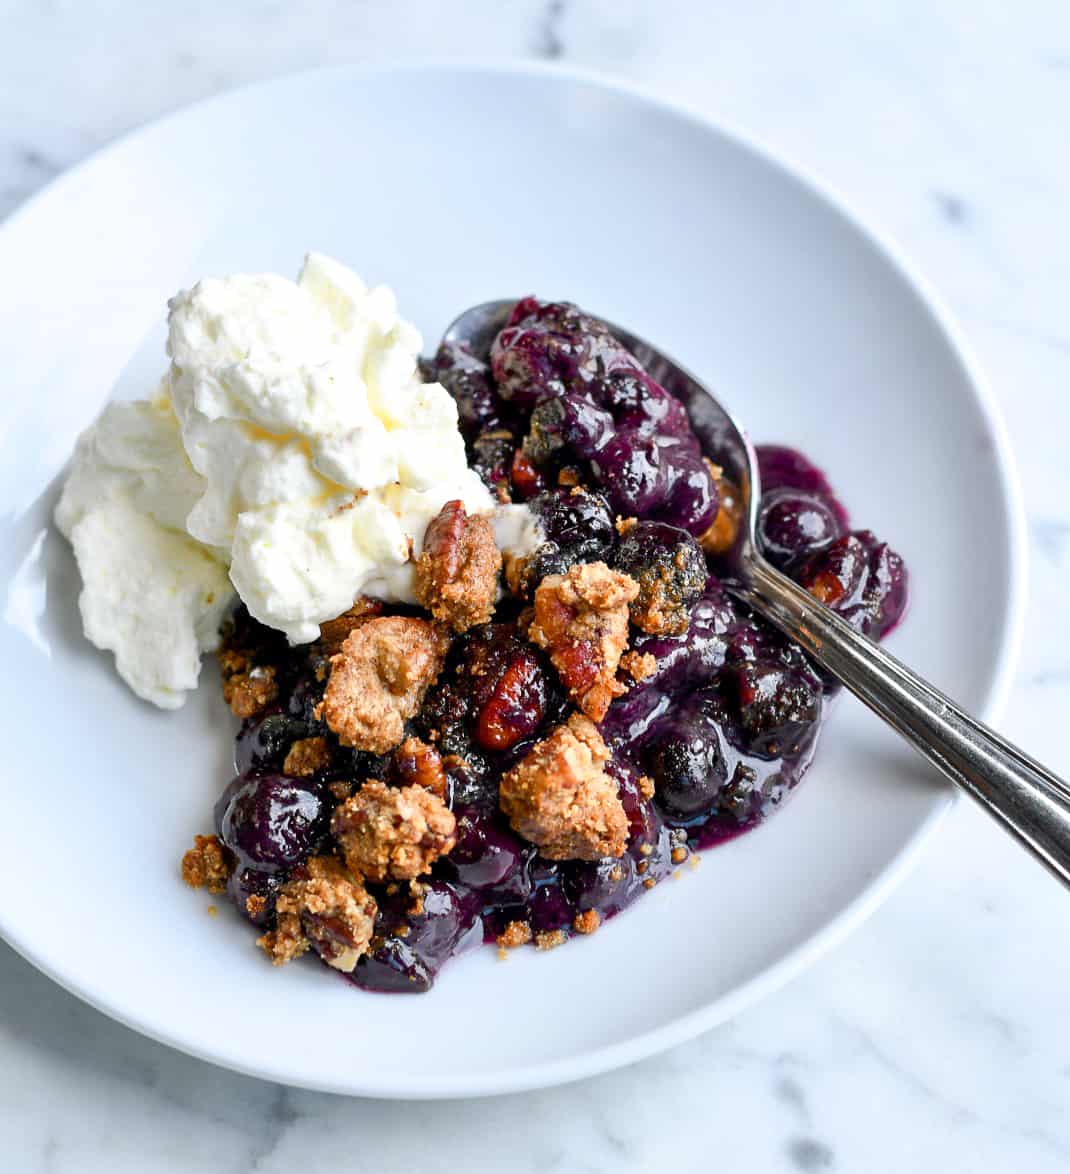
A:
[862, 579]
[468, 380]
[263, 742]
[271, 822]
[687, 762]
[578, 525]
[794, 526]
[777, 707]
[670, 568]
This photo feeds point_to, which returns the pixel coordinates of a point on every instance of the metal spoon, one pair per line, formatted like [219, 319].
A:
[1027, 799]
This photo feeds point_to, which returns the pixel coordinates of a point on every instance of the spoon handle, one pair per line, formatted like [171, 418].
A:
[1027, 799]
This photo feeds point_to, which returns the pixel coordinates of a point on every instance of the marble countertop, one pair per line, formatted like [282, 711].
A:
[937, 1037]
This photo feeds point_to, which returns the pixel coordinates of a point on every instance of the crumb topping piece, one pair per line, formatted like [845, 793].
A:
[334, 632]
[721, 535]
[248, 688]
[587, 921]
[322, 906]
[457, 571]
[417, 764]
[207, 865]
[378, 680]
[515, 934]
[581, 619]
[639, 665]
[393, 832]
[560, 797]
[306, 757]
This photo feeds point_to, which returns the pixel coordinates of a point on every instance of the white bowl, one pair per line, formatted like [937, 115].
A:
[456, 185]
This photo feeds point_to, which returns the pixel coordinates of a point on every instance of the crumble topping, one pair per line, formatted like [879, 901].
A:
[379, 678]
[418, 764]
[306, 757]
[333, 632]
[721, 536]
[515, 934]
[581, 619]
[456, 576]
[561, 799]
[639, 665]
[207, 865]
[587, 921]
[324, 907]
[248, 688]
[549, 939]
[394, 832]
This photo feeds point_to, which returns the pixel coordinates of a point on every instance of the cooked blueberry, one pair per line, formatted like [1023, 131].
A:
[579, 528]
[416, 938]
[670, 568]
[270, 821]
[785, 468]
[658, 477]
[264, 742]
[687, 762]
[492, 456]
[793, 525]
[683, 661]
[777, 707]
[567, 426]
[262, 887]
[468, 380]
[862, 579]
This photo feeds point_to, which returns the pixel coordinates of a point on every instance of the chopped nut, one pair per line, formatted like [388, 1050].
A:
[208, 864]
[306, 757]
[417, 764]
[457, 571]
[322, 906]
[721, 535]
[393, 831]
[378, 680]
[560, 798]
[587, 921]
[581, 619]
[550, 938]
[334, 632]
[639, 665]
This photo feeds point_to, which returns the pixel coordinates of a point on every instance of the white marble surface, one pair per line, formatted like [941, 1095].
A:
[938, 1037]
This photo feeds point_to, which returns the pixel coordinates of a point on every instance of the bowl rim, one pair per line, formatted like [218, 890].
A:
[685, 1027]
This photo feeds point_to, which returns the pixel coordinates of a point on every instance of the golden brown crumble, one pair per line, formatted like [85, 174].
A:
[560, 798]
[306, 757]
[379, 678]
[393, 831]
[340, 789]
[678, 854]
[625, 525]
[457, 571]
[255, 905]
[721, 536]
[581, 619]
[322, 906]
[207, 865]
[548, 939]
[418, 764]
[639, 665]
[587, 921]
[334, 632]
[515, 934]
[248, 688]
[646, 786]
[568, 477]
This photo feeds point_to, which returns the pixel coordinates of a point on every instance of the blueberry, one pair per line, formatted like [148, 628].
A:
[468, 380]
[681, 662]
[272, 822]
[794, 525]
[861, 578]
[687, 761]
[263, 742]
[778, 706]
[447, 922]
[578, 526]
[570, 426]
[261, 886]
[670, 568]
[492, 456]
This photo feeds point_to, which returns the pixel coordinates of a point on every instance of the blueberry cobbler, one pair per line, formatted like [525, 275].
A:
[538, 703]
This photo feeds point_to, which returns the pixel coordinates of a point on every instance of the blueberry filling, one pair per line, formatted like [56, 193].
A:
[717, 726]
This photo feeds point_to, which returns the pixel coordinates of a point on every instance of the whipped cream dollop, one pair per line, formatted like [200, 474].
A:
[291, 454]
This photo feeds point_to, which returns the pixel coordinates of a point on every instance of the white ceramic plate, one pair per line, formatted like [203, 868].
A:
[456, 185]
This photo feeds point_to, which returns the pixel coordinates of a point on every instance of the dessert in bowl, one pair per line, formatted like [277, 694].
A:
[468, 612]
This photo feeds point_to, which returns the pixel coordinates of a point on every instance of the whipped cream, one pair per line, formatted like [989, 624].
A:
[291, 454]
